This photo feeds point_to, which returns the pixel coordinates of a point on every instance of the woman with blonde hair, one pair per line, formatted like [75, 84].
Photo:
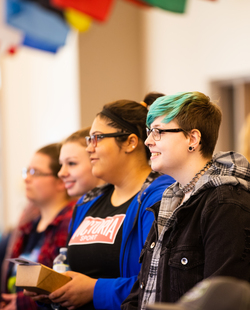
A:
[76, 169]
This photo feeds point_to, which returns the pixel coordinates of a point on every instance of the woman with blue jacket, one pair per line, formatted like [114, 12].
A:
[110, 292]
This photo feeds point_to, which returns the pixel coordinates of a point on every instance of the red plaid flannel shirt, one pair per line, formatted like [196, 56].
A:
[55, 238]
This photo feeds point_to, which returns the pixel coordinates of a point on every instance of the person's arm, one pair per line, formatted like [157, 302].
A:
[226, 235]
[131, 302]
[41, 300]
[24, 302]
[105, 293]
[76, 292]
[110, 293]
[18, 301]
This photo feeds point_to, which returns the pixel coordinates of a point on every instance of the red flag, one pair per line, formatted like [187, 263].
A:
[98, 9]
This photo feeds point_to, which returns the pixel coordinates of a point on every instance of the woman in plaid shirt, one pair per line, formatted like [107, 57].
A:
[40, 239]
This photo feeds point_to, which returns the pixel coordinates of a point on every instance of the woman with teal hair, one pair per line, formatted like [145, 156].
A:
[202, 224]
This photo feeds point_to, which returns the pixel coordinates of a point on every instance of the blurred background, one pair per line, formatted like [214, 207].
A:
[45, 96]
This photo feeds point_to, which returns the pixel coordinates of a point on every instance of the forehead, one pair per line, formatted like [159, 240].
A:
[40, 161]
[158, 123]
[100, 125]
[71, 149]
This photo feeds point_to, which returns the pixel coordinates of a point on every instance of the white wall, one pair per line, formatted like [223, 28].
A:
[39, 105]
[39, 96]
[185, 52]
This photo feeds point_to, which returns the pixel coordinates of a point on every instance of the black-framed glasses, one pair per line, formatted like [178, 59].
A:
[95, 138]
[34, 173]
[156, 132]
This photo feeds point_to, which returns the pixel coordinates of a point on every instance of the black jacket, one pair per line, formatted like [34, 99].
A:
[209, 236]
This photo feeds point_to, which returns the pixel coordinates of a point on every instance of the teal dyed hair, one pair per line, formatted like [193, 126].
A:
[169, 106]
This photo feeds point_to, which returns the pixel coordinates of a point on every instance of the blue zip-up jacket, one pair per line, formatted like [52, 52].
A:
[109, 293]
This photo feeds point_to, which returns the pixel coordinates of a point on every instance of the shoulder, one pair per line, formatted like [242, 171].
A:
[159, 184]
[225, 197]
[164, 179]
[64, 216]
[94, 194]
[233, 194]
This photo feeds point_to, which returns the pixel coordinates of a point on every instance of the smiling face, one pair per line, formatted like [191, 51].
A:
[107, 158]
[76, 169]
[169, 154]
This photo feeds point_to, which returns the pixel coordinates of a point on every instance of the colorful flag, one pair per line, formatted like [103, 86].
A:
[77, 20]
[177, 6]
[46, 4]
[140, 3]
[10, 38]
[43, 29]
[97, 9]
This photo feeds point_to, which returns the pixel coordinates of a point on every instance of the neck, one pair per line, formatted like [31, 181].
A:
[130, 183]
[49, 211]
[100, 182]
[191, 169]
[188, 187]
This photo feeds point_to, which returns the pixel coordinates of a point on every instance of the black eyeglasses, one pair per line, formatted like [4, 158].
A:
[95, 138]
[34, 173]
[156, 132]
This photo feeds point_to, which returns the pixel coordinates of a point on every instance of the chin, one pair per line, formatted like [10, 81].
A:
[155, 167]
[70, 193]
[75, 194]
[96, 173]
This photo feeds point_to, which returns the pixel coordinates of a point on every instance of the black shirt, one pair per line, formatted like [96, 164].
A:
[94, 248]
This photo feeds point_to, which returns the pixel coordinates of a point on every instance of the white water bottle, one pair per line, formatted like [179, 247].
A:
[60, 264]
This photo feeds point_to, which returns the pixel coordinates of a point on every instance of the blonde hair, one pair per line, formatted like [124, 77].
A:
[245, 138]
[78, 136]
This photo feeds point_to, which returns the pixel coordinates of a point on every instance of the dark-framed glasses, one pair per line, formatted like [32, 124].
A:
[95, 138]
[34, 173]
[156, 132]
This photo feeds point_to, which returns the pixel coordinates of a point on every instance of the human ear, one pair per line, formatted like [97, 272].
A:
[131, 143]
[194, 140]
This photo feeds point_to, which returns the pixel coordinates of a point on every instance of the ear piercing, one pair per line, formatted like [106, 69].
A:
[191, 148]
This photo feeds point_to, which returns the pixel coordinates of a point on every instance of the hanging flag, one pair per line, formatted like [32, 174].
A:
[10, 38]
[46, 4]
[177, 6]
[42, 28]
[77, 20]
[97, 9]
[140, 3]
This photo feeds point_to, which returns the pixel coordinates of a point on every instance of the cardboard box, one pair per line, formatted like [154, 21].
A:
[39, 278]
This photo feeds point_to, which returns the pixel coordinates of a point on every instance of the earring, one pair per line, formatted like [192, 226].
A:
[133, 146]
[191, 148]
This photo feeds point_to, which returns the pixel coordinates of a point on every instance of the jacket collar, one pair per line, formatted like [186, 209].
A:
[97, 191]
